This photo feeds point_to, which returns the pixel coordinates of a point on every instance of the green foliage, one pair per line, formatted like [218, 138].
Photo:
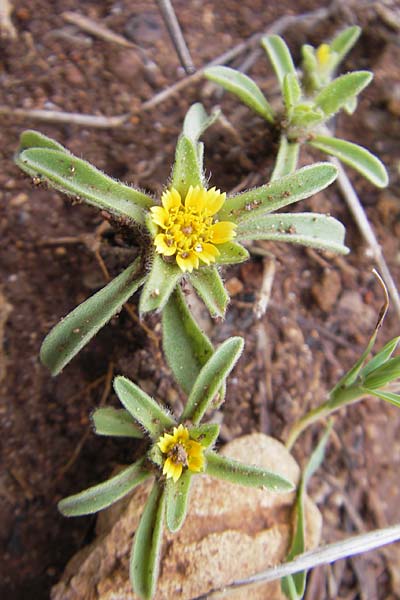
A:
[293, 586]
[280, 57]
[115, 422]
[71, 334]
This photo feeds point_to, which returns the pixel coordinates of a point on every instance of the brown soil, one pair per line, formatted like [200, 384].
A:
[320, 315]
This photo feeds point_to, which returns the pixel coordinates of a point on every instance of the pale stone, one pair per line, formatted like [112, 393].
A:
[231, 532]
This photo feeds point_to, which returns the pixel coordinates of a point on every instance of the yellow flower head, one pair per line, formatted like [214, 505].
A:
[187, 229]
[182, 452]
[323, 54]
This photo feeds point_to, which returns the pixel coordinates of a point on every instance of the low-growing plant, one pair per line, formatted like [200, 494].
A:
[188, 235]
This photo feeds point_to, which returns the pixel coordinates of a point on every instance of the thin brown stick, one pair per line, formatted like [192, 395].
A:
[175, 32]
[361, 219]
[55, 116]
[7, 29]
[96, 29]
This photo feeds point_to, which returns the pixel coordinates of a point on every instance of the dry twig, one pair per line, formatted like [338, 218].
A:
[175, 32]
[7, 29]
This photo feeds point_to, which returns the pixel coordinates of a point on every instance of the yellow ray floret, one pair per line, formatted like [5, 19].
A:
[182, 453]
[323, 54]
[187, 228]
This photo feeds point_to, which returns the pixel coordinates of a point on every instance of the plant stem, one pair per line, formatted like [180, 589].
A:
[337, 399]
[286, 160]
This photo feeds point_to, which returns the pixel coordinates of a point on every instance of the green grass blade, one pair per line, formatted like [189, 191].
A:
[147, 543]
[387, 396]
[243, 87]
[381, 357]
[269, 198]
[308, 229]
[104, 494]
[71, 334]
[115, 422]
[211, 378]
[142, 407]
[355, 156]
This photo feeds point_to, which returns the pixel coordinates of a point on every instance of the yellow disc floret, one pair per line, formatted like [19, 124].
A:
[187, 228]
[181, 453]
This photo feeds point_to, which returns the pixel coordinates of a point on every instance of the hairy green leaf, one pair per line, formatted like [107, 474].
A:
[210, 379]
[35, 139]
[208, 284]
[289, 189]
[243, 87]
[185, 346]
[146, 549]
[355, 156]
[115, 422]
[279, 56]
[344, 41]
[73, 332]
[248, 475]
[286, 161]
[231, 253]
[177, 499]
[78, 178]
[337, 93]
[205, 434]
[197, 121]
[104, 494]
[187, 169]
[160, 283]
[291, 91]
[308, 229]
[142, 407]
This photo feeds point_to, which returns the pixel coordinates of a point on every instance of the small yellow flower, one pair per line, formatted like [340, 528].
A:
[182, 452]
[323, 54]
[187, 229]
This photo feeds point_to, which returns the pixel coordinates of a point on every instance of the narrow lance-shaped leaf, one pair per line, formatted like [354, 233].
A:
[298, 541]
[355, 156]
[177, 499]
[381, 357]
[384, 374]
[187, 169]
[142, 407]
[115, 422]
[186, 346]
[308, 229]
[231, 253]
[291, 91]
[104, 494]
[279, 55]
[337, 93]
[206, 434]
[197, 121]
[211, 377]
[243, 87]
[387, 396]
[208, 284]
[344, 41]
[287, 158]
[72, 333]
[77, 177]
[268, 198]
[35, 139]
[160, 284]
[248, 475]
[146, 550]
